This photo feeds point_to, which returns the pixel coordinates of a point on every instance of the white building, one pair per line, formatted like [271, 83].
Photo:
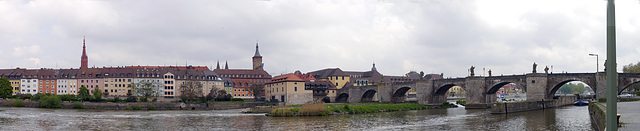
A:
[29, 86]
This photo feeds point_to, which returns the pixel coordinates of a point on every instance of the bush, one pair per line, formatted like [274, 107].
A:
[18, 103]
[136, 107]
[446, 104]
[151, 107]
[68, 97]
[24, 96]
[222, 99]
[154, 100]
[132, 99]
[77, 105]
[237, 99]
[144, 99]
[50, 101]
[117, 99]
[37, 96]
[461, 102]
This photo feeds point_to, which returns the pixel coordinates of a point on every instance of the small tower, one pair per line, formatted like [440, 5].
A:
[218, 65]
[257, 59]
[84, 60]
[226, 65]
[374, 67]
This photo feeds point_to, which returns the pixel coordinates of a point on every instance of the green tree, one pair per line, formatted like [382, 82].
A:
[5, 88]
[83, 93]
[97, 94]
[632, 68]
[573, 88]
[50, 101]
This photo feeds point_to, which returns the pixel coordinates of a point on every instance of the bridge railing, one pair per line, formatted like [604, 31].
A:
[316, 87]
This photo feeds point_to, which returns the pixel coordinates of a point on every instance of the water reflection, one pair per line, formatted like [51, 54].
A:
[565, 118]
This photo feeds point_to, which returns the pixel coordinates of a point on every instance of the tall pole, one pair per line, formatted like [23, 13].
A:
[597, 62]
[612, 82]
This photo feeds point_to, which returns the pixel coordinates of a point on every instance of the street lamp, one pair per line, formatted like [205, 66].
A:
[597, 65]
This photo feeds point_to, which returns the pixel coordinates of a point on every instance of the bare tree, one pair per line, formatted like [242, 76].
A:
[191, 90]
[256, 90]
[147, 89]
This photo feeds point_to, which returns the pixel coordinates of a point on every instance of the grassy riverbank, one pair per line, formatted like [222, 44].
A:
[338, 109]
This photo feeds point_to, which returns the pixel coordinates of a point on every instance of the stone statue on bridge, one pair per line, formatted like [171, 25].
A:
[546, 70]
[489, 72]
[471, 70]
[534, 67]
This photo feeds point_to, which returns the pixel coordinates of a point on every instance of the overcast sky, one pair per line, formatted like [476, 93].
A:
[400, 36]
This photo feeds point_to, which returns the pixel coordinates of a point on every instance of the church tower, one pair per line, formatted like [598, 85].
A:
[84, 59]
[257, 60]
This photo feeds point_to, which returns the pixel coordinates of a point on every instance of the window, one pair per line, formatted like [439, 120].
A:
[295, 89]
[342, 77]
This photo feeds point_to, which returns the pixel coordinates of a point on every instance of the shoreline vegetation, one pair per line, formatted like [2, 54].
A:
[130, 103]
[322, 109]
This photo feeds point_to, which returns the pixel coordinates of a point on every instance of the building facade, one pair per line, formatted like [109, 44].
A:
[289, 89]
[243, 79]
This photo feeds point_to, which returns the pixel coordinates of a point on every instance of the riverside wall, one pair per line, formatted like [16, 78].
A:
[598, 114]
[144, 105]
[510, 107]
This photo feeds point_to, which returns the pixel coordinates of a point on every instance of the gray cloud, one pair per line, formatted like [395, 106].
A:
[431, 36]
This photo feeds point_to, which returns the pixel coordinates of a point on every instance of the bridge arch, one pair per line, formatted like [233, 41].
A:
[439, 96]
[627, 86]
[442, 90]
[368, 95]
[497, 87]
[342, 98]
[326, 100]
[399, 95]
[559, 85]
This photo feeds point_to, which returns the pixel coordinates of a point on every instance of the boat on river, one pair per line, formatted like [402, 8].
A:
[580, 103]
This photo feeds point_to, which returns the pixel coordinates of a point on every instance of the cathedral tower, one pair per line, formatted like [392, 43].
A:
[257, 60]
[84, 59]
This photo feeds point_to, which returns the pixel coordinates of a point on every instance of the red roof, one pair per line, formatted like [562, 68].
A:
[286, 78]
[306, 77]
[172, 67]
[242, 73]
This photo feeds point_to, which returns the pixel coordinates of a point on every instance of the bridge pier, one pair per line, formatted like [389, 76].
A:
[476, 93]
[424, 91]
[537, 87]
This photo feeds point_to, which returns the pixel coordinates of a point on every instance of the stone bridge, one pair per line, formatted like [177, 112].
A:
[480, 91]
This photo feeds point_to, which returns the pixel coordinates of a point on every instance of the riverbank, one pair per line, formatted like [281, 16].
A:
[629, 115]
[138, 105]
[320, 109]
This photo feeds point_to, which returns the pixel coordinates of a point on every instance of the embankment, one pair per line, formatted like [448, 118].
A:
[598, 114]
[510, 107]
[144, 105]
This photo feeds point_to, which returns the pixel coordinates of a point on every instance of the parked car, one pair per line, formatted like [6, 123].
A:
[625, 96]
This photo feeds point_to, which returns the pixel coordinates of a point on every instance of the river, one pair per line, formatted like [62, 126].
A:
[563, 118]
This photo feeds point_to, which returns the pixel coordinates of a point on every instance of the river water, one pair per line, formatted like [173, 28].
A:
[564, 118]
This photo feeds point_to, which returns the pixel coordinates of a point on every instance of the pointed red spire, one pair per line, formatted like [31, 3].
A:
[84, 59]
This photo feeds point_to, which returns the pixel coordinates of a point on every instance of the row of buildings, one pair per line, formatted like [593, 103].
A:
[292, 88]
[117, 81]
